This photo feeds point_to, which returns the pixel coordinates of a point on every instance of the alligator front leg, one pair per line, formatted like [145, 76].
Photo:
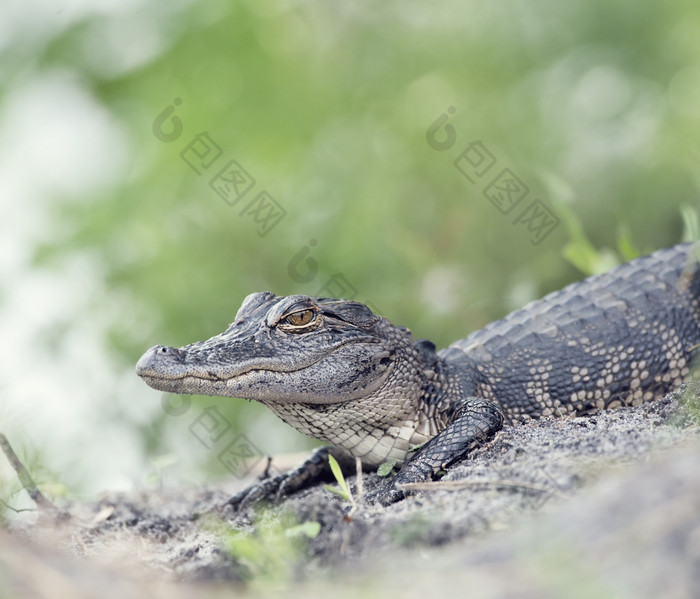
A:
[313, 469]
[474, 422]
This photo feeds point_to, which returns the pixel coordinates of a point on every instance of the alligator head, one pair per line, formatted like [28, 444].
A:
[285, 349]
[330, 368]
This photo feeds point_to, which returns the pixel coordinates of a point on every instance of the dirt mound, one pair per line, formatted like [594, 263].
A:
[611, 502]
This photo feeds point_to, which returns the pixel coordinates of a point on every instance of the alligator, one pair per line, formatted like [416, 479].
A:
[336, 371]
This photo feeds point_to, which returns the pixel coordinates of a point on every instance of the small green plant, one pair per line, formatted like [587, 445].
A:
[625, 246]
[691, 223]
[342, 490]
[590, 260]
[581, 253]
[386, 468]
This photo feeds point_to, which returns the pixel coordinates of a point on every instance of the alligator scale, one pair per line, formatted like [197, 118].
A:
[337, 372]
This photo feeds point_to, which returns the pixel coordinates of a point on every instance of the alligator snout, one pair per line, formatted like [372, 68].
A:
[162, 361]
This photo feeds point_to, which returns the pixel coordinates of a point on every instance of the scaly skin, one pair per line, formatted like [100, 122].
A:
[337, 372]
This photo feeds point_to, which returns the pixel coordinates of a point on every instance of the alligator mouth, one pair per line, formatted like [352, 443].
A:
[177, 384]
[198, 384]
[212, 378]
[151, 376]
[146, 369]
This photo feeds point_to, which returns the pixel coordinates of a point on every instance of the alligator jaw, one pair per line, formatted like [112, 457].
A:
[320, 378]
[165, 369]
[190, 384]
[294, 349]
[163, 363]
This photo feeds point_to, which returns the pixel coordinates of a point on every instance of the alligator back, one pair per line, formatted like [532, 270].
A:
[619, 338]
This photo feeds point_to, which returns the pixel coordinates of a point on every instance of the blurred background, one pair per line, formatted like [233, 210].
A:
[446, 164]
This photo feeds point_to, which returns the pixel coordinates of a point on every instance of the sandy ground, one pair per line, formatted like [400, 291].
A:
[607, 505]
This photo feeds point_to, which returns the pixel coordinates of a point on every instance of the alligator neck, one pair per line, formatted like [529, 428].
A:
[413, 406]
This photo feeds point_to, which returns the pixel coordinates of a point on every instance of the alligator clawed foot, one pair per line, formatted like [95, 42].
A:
[270, 490]
[273, 490]
[250, 496]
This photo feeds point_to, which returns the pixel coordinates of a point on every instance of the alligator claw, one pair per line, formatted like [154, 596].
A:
[266, 490]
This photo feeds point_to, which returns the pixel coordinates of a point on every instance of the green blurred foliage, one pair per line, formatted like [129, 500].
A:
[592, 105]
[273, 554]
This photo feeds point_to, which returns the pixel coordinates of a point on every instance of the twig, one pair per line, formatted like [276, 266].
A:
[360, 482]
[456, 485]
[23, 475]
[14, 509]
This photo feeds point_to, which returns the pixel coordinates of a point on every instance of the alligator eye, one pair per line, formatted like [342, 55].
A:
[299, 319]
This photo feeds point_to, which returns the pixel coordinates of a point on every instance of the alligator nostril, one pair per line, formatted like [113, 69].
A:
[166, 351]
